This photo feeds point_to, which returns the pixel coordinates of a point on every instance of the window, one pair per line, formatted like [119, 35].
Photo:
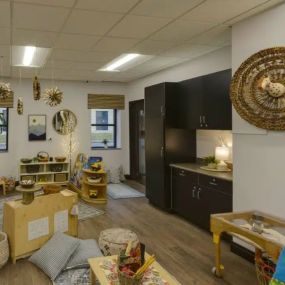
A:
[103, 128]
[4, 129]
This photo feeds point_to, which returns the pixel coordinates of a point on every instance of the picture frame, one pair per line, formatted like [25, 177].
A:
[37, 127]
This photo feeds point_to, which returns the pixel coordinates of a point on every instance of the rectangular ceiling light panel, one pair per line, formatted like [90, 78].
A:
[29, 56]
[125, 62]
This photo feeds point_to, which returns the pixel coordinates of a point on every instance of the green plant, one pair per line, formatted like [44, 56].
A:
[210, 159]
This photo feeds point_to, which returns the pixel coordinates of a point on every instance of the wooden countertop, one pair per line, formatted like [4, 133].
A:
[195, 167]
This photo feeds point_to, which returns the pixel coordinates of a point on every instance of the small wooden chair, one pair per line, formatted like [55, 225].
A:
[2, 183]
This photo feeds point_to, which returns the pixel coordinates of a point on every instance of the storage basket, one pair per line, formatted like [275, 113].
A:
[265, 269]
[34, 168]
[4, 249]
[56, 167]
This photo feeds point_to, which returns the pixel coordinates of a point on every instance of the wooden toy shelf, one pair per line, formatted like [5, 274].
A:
[45, 172]
[93, 192]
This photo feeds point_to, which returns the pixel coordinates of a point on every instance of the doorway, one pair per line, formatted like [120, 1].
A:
[137, 141]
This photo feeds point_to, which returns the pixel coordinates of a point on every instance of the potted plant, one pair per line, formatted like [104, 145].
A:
[211, 161]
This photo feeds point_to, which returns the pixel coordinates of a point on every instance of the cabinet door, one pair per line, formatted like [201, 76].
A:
[183, 190]
[191, 103]
[154, 146]
[202, 204]
[217, 104]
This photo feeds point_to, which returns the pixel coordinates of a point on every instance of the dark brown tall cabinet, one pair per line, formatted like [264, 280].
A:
[165, 142]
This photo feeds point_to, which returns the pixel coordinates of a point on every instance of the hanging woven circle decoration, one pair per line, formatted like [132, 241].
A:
[53, 96]
[5, 91]
[258, 89]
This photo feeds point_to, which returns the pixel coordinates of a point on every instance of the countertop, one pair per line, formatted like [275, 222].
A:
[195, 167]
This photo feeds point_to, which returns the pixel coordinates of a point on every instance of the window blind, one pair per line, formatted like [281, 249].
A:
[7, 103]
[106, 101]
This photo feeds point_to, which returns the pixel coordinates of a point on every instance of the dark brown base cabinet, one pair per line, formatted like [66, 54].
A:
[197, 196]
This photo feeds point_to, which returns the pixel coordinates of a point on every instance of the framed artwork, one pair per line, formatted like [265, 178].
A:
[37, 127]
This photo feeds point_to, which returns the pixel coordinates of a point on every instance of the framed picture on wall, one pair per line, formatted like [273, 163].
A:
[37, 127]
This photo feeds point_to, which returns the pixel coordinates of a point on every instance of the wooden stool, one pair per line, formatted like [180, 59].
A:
[2, 183]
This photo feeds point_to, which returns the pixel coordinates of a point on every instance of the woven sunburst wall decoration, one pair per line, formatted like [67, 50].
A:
[53, 96]
[258, 89]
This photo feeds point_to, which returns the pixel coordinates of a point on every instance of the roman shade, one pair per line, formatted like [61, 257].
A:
[106, 101]
[7, 103]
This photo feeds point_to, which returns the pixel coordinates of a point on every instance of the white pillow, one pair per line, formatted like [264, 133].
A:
[54, 254]
[115, 175]
[87, 249]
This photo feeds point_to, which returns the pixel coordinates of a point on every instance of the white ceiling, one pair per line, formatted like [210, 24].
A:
[86, 34]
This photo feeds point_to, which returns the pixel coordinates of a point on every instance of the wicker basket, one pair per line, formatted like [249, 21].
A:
[265, 269]
[128, 280]
[51, 189]
[4, 249]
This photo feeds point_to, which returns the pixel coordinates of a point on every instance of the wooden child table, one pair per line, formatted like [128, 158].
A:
[223, 223]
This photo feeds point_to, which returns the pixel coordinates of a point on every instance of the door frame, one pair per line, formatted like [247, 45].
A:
[133, 143]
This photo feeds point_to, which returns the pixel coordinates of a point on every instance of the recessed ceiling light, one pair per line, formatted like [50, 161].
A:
[29, 56]
[125, 61]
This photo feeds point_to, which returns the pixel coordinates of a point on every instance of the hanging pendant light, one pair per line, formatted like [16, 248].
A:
[53, 96]
[5, 90]
[36, 89]
[20, 103]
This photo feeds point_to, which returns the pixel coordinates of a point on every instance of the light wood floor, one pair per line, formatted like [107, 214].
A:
[183, 249]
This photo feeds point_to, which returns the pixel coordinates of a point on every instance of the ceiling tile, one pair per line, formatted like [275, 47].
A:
[5, 50]
[59, 64]
[259, 9]
[115, 44]
[138, 27]
[218, 11]
[73, 55]
[181, 31]
[23, 72]
[76, 42]
[120, 6]
[34, 17]
[5, 36]
[4, 14]
[90, 22]
[189, 51]
[164, 8]
[57, 73]
[152, 47]
[220, 36]
[30, 37]
[61, 3]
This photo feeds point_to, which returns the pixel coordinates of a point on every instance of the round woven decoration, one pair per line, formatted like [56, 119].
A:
[258, 89]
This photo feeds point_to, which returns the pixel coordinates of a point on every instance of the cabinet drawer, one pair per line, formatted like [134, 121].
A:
[216, 183]
[186, 174]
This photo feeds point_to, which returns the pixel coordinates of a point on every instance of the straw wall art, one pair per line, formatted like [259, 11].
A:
[258, 89]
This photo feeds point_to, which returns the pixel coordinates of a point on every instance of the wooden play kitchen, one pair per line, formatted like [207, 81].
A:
[29, 227]
[224, 223]
[97, 273]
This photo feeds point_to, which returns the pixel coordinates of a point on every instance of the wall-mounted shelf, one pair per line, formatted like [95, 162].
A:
[45, 172]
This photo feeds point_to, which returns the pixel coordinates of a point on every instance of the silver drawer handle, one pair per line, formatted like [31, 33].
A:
[181, 173]
[193, 192]
[213, 183]
[198, 193]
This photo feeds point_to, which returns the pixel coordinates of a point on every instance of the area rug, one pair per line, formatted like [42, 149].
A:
[85, 211]
[122, 191]
[74, 277]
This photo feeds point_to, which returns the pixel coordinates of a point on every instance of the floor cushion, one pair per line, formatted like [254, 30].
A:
[87, 249]
[112, 241]
[54, 255]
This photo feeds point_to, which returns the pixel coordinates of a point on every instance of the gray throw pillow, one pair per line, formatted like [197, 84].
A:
[87, 249]
[54, 255]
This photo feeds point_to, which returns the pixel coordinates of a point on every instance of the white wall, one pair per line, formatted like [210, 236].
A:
[258, 155]
[75, 99]
[209, 63]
